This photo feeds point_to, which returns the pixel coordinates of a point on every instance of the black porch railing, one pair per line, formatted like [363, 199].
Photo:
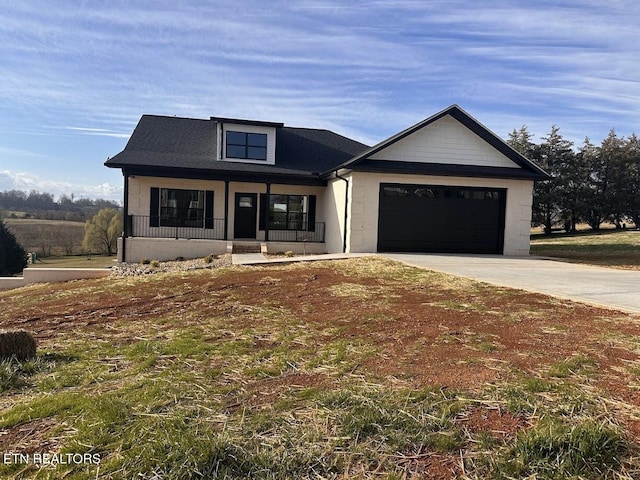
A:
[213, 229]
[173, 227]
[313, 234]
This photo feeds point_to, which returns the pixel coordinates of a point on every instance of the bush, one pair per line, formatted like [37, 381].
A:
[13, 258]
[145, 261]
[17, 344]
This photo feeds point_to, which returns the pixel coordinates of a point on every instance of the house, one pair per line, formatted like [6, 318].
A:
[447, 184]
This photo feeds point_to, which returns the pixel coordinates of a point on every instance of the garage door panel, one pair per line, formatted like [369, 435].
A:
[428, 218]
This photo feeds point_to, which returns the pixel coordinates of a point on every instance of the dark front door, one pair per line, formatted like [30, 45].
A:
[245, 215]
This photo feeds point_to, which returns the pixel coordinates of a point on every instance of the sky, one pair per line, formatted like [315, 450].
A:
[76, 76]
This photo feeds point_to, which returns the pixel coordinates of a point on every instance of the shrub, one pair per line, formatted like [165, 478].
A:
[13, 258]
[145, 261]
[155, 263]
[17, 344]
[209, 258]
[289, 254]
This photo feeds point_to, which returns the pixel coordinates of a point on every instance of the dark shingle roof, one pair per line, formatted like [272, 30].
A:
[186, 143]
[173, 146]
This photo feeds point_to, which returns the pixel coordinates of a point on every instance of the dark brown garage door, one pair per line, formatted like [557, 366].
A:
[440, 219]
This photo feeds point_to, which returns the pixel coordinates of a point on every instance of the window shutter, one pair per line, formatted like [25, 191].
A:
[154, 208]
[264, 208]
[208, 209]
[311, 216]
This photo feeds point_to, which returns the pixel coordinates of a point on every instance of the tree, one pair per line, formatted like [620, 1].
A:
[633, 158]
[521, 141]
[13, 258]
[553, 155]
[102, 231]
[595, 196]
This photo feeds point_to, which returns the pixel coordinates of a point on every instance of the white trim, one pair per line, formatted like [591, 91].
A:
[270, 132]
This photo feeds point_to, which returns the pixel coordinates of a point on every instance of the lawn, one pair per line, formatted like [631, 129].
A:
[75, 261]
[361, 368]
[614, 248]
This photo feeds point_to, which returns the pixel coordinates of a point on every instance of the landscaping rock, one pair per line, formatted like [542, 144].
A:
[133, 269]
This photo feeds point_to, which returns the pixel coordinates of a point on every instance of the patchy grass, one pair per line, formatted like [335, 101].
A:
[75, 261]
[362, 368]
[614, 248]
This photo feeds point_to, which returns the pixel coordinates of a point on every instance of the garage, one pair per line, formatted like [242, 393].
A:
[441, 219]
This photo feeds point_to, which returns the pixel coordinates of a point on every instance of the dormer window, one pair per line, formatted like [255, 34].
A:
[246, 146]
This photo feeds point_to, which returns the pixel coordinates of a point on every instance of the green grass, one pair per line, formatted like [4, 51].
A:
[617, 248]
[75, 261]
[557, 450]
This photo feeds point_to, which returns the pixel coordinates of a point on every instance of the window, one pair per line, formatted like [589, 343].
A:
[288, 212]
[249, 146]
[181, 208]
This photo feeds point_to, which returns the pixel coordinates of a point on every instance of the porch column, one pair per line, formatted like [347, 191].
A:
[266, 210]
[226, 209]
[126, 221]
[126, 229]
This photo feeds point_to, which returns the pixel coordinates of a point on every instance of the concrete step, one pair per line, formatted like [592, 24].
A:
[246, 247]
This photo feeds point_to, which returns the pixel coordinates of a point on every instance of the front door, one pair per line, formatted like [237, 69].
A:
[245, 215]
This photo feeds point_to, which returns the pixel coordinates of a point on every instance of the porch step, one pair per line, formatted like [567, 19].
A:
[246, 247]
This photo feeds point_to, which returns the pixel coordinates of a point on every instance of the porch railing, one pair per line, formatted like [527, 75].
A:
[313, 234]
[212, 229]
[172, 227]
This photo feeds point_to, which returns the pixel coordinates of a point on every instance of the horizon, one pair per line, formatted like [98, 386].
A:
[76, 79]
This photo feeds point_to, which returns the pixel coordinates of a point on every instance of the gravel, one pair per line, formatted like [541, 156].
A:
[133, 269]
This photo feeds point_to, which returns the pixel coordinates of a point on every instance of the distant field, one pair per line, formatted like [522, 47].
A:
[613, 248]
[48, 237]
[36, 221]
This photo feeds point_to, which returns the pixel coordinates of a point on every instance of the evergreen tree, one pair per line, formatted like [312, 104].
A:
[595, 209]
[13, 258]
[522, 141]
[632, 152]
[614, 154]
[553, 155]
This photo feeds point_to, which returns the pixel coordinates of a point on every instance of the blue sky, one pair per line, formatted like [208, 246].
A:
[75, 76]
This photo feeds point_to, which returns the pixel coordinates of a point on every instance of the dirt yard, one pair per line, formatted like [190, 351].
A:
[418, 329]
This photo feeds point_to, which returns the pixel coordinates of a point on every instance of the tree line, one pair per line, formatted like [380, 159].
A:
[42, 205]
[593, 184]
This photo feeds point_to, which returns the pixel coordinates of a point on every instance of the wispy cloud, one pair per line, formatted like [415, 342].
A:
[366, 69]
[102, 132]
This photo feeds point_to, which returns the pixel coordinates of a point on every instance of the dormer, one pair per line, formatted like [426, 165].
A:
[246, 141]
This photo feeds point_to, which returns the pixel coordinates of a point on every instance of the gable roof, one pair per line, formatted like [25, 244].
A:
[363, 161]
[187, 147]
[187, 144]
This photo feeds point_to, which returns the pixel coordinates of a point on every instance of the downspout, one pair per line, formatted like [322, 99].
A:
[266, 220]
[226, 210]
[346, 211]
[125, 218]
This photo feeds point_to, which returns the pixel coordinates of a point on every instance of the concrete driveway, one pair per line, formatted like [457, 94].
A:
[619, 289]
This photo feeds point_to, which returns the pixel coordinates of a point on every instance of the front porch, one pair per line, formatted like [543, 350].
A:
[174, 238]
